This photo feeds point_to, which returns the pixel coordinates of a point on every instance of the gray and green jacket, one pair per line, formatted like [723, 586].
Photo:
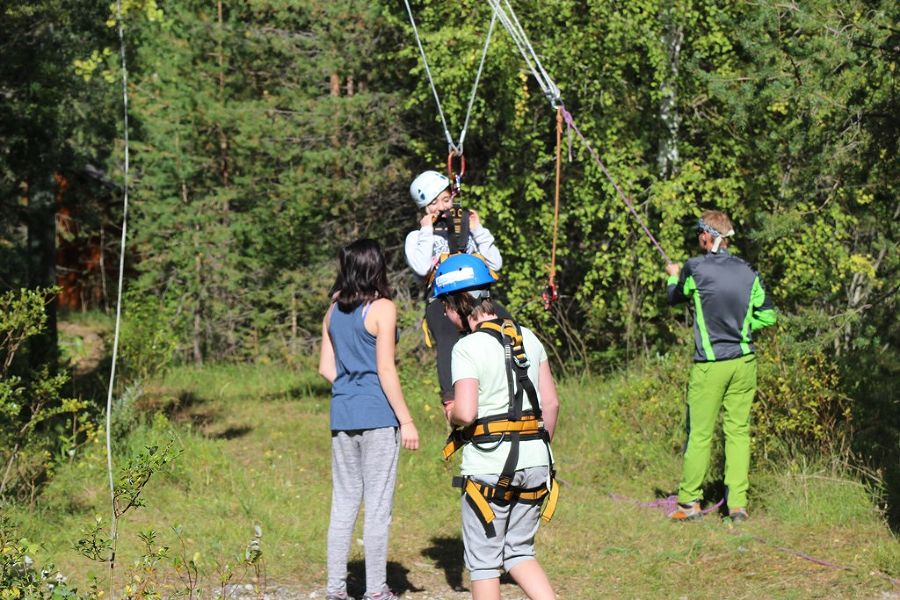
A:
[728, 301]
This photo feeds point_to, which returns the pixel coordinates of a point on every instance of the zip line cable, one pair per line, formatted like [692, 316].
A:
[453, 147]
[570, 121]
[115, 349]
[510, 21]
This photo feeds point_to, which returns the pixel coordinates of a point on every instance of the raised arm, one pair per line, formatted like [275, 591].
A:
[680, 284]
[484, 242]
[763, 311]
[418, 248]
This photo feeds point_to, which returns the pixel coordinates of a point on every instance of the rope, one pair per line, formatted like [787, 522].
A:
[559, 123]
[671, 501]
[514, 27]
[511, 22]
[115, 349]
[570, 121]
[462, 135]
[453, 147]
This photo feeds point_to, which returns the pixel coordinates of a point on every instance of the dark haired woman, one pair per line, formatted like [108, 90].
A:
[359, 334]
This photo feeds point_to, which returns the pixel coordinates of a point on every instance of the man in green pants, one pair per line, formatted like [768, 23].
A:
[729, 304]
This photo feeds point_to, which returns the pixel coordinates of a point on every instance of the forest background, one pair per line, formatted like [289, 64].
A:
[266, 134]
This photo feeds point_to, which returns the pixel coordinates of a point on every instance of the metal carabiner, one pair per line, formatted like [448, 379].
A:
[462, 165]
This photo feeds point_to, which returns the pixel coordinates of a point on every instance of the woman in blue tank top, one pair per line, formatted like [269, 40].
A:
[369, 418]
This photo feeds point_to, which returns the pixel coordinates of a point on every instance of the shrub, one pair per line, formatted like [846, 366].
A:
[38, 426]
[149, 342]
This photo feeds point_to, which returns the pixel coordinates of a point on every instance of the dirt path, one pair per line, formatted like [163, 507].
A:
[91, 353]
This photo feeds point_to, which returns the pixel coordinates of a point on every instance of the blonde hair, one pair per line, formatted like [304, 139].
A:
[718, 221]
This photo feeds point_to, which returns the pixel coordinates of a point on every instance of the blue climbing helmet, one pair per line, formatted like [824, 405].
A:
[463, 273]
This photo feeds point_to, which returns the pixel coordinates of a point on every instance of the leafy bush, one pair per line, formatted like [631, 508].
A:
[20, 577]
[149, 342]
[799, 409]
[38, 426]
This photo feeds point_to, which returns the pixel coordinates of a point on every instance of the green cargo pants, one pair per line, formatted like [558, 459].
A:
[732, 384]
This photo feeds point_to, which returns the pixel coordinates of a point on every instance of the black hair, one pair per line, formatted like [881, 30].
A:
[466, 305]
[362, 275]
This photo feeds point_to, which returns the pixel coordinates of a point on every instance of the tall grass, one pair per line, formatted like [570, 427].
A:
[256, 451]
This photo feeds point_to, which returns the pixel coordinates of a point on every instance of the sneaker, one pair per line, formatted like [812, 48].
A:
[738, 515]
[384, 594]
[338, 596]
[686, 512]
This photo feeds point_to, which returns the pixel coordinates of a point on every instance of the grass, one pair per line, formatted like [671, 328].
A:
[256, 450]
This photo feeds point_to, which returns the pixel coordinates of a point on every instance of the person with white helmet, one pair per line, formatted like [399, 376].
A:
[445, 230]
[506, 407]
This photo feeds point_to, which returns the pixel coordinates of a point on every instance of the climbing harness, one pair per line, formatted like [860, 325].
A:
[516, 425]
[453, 225]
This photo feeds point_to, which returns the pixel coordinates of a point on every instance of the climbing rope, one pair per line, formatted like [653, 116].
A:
[455, 148]
[509, 20]
[551, 294]
[668, 504]
[570, 121]
[115, 348]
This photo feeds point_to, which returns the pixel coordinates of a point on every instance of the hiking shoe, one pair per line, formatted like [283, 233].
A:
[738, 515]
[384, 594]
[686, 512]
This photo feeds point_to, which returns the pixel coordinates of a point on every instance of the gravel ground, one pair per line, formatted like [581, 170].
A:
[288, 592]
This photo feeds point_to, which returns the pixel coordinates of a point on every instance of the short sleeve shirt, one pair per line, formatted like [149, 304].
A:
[479, 356]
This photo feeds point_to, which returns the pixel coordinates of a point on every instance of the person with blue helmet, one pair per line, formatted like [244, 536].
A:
[446, 229]
[505, 408]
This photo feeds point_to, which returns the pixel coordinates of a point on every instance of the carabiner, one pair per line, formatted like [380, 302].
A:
[462, 164]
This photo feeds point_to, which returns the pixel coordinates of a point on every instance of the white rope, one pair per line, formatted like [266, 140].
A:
[511, 22]
[115, 349]
[487, 41]
[456, 148]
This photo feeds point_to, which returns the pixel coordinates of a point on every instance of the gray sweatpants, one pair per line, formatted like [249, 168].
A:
[363, 468]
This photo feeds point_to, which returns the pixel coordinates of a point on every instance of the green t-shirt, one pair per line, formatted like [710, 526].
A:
[479, 356]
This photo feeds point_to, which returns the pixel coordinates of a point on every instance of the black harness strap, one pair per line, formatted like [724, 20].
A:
[453, 225]
[518, 424]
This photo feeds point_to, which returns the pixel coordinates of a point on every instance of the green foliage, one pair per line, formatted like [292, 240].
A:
[255, 165]
[40, 427]
[20, 577]
[800, 406]
[149, 341]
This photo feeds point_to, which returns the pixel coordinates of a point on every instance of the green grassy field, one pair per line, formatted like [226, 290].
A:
[256, 451]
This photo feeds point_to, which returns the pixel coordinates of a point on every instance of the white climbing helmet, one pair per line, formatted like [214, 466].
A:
[427, 186]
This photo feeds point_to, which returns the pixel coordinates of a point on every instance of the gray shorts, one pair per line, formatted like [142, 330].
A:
[516, 525]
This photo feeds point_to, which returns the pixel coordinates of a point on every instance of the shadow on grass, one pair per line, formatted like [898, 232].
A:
[447, 554]
[397, 578]
[232, 433]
